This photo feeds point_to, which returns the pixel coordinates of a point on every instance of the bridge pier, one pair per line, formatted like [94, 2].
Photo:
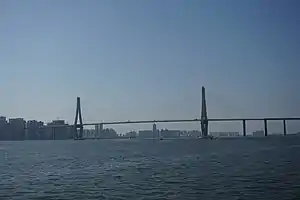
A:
[284, 127]
[78, 135]
[78, 132]
[244, 128]
[100, 130]
[204, 120]
[53, 133]
[266, 127]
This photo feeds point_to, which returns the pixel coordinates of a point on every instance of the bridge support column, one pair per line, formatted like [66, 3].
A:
[204, 120]
[96, 130]
[266, 127]
[101, 129]
[244, 128]
[53, 133]
[78, 135]
[284, 127]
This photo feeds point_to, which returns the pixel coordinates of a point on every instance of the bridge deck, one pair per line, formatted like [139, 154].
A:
[195, 120]
[184, 120]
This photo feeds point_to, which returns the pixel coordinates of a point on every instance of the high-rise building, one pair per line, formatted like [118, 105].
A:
[34, 129]
[131, 134]
[2, 119]
[89, 133]
[146, 134]
[58, 133]
[98, 130]
[224, 134]
[108, 133]
[3, 128]
[155, 131]
[194, 133]
[17, 129]
[170, 133]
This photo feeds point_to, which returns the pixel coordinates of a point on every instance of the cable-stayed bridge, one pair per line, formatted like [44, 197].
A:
[203, 120]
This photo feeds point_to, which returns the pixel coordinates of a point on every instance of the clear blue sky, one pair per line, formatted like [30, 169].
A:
[136, 59]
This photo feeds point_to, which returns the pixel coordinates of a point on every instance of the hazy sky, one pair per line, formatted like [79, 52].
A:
[137, 59]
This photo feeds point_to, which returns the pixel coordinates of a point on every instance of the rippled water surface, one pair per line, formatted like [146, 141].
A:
[267, 168]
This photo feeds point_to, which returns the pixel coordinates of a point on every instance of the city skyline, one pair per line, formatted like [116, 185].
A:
[148, 60]
[19, 129]
[275, 126]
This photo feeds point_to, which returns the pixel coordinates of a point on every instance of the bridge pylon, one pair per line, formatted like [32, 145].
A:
[78, 127]
[204, 119]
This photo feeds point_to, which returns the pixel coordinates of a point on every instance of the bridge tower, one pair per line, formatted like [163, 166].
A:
[78, 133]
[204, 121]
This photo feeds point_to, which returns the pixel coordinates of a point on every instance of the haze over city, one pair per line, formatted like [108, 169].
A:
[132, 60]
